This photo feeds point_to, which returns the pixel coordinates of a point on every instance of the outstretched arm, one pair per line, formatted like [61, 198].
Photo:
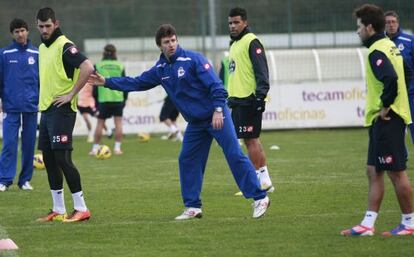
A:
[96, 79]
[145, 81]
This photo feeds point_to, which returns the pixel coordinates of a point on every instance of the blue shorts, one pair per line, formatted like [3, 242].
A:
[386, 149]
[168, 110]
[247, 121]
[56, 128]
[89, 110]
[107, 110]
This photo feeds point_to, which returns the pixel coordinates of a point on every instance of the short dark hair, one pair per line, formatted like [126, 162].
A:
[238, 11]
[45, 14]
[17, 23]
[371, 14]
[165, 30]
[109, 52]
[393, 14]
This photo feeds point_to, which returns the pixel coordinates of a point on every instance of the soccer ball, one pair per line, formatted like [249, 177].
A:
[38, 162]
[103, 152]
[144, 137]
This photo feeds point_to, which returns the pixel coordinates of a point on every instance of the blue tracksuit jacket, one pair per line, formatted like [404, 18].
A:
[19, 91]
[189, 80]
[19, 78]
[196, 90]
[405, 44]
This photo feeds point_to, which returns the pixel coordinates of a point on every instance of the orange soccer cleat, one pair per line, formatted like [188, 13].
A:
[78, 216]
[52, 216]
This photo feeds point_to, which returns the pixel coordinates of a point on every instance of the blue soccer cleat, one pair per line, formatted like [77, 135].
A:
[401, 230]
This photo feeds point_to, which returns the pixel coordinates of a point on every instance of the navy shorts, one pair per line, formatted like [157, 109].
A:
[168, 110]
[107, 110]
[386, 149]
[247, 121]
[56, 128]
[89, 110]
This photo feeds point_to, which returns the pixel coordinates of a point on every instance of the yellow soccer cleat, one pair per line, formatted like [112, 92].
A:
[238, 194]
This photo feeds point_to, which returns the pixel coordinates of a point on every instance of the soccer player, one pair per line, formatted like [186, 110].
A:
[110, 102]
[224, 69]
[87, 107]
[63, 72]
[168, 116]
[405, 44]
[197, 92]
[19, 93]
[386, 114]
[248, 85]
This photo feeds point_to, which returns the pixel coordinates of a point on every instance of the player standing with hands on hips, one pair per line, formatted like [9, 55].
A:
[197, 92]
[386, 115]
[63, 72]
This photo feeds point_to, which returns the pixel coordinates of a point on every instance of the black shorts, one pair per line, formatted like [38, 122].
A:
[107, 110]
[168, 110]
[386, 149]
[89, 110]
[247, 121]
[56, 128]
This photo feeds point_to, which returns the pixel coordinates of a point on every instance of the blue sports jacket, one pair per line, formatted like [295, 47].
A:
[19, 78]
[189, 80]
[405, 44]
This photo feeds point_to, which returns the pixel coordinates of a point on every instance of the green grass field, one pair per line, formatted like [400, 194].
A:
[321, 189]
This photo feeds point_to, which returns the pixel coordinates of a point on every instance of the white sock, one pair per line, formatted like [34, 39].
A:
[173, 128]
[95, 148]
[117, 146]
[264, 176]
[90, 133]
[108, 131]
[58, 201]
[408, 220]
[79, 202]
[180, 136]
[369, 219]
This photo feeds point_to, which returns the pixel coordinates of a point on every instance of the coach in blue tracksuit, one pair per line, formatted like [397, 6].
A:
[405, 43]
[19, 92]
[199, 95]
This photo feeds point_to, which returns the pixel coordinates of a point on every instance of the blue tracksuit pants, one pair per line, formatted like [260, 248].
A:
[194, 154]
[411, 126]
[8, 159]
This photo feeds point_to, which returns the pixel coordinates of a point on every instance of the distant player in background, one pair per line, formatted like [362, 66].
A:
[168, 116]
[197, 92]
[224, 69]
[19, 94]
[87, 107]
[405, 43]
[386, 114]
[110, 102]
[63, 71]
[224, 76]
[248, 86]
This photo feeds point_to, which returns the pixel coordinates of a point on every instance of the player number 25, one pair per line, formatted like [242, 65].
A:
[56, 139]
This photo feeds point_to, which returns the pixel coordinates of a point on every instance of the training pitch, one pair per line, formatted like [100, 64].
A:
[321, 189]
